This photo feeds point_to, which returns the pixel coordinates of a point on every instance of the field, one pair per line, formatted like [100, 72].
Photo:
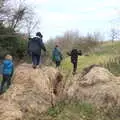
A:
[106, 55]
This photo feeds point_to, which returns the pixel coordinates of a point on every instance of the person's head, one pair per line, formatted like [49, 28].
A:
[56, 46]
[30, 38]
[39, 34]
[8, 57]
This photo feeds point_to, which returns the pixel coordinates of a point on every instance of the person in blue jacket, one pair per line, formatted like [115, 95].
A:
[34, 48]
[57, 56]
[8, 68]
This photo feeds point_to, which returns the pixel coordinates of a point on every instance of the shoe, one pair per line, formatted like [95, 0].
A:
[1, 92]
[34, 66]
[74, 73]
[38, 66]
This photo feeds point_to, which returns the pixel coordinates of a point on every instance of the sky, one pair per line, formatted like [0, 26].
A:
[59, 16]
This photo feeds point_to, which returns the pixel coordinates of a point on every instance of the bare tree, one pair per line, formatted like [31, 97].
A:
[31, 23]
[18, 14]
[14, 15]
[114, 34]
[2, 10]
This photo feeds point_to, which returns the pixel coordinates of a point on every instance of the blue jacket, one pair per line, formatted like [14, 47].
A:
[35, 45]
[56, 55]
[8, 67]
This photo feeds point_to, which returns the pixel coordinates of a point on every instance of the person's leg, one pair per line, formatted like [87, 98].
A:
[74, 67]
[3, 83]
[57, 63]
[38, 59]
[34, 60]
[8, 80]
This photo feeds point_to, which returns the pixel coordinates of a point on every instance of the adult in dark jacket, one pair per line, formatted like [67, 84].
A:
[34, 48]
[74, 58]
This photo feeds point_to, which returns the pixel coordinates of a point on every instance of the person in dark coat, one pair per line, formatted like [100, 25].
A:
[34, 48]
[57, 56]
[74, 58]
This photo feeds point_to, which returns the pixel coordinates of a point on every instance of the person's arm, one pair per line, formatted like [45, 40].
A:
[12, 70]
[80, 52]
[28, 47]
[61, 56]
[42, 45]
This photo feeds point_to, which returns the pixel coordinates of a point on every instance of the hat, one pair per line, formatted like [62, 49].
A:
[39, 34]
[56, 45]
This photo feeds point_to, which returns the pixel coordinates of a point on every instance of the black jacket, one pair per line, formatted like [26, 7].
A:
[74, 55]
[35, 45]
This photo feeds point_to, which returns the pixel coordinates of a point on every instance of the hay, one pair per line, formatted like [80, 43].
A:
[98, 86]
[31, 93]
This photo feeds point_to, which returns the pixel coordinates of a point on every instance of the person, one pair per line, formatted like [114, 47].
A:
[74, 58]
[34, 48]
[8, 68]
[57, 56]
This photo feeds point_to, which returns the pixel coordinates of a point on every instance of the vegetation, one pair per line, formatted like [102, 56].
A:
[74, 110]
[106, 55]
[13, 19]
[11, 42]
[72, 39]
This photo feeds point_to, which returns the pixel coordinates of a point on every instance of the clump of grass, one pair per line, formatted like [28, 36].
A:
[77, 110]
[113, 65]
[73, 110]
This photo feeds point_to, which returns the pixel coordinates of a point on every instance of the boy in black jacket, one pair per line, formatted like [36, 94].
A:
[74, 58]
[34, 48]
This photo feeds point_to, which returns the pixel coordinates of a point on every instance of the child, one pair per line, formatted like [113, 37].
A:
[57, 56]
[74, 58]
[8, 68]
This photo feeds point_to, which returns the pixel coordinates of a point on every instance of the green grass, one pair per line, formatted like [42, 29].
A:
[85, 61]
[107, 55]
[72, 111]
[76, 110]
[108, 48]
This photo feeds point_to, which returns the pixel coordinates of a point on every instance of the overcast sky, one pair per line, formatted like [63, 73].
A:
[58, 16]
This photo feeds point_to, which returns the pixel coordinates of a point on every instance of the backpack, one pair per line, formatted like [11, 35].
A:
[57, 55]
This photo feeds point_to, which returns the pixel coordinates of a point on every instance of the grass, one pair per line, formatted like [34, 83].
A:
[106, 55]
[84, 61]
[71, 111]
[76, 110]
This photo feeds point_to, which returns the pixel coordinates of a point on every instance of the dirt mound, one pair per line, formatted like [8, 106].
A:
[97, 86]
[32, 92]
